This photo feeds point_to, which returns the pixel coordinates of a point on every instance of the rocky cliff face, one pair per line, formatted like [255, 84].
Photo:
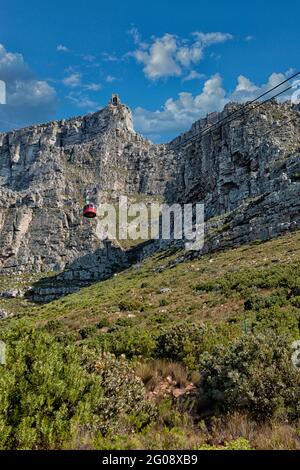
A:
[243, 159]
[44, 173]
[247, 173]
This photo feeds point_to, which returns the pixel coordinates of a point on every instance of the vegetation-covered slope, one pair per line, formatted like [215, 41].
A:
[197, 351]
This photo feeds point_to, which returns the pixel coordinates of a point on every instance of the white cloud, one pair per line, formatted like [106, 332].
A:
[88, 57]
[93, 86]
[169, 55]
[31, 93]
[82, 101]
[107, 57]
[193, 75]
[160, 60]
[28, 100]
[187, 56]
[207, 39]
[2, 92]
[62, 48]
[12, 66]
[135, 34]
[247, 90]
[215, 56]
[177, 115]
[250, 38]
[110, 79]
[73, 80]
[245, 86]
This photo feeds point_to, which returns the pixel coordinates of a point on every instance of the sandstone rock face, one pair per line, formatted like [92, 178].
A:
[247, 173]
[44, 173]
[256, 153]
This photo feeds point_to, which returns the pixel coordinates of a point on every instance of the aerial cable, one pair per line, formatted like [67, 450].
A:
[207, 131]
[254, 100]
[242, 110]
[245, 106]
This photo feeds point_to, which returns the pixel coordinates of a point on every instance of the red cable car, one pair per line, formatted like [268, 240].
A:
[89, 211]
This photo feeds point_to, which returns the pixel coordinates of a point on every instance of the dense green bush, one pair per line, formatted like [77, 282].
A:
[88, 331]
[130, 304]
[123, 394]
[295, 301]
[53, 326]
[131, 341]
[103, 323]
[186, 343]
[45, 393]
[121, 322]
[244, 282]
[255, 374]
[179, 341]
[258, 302]
[50, 392]
[281, 321]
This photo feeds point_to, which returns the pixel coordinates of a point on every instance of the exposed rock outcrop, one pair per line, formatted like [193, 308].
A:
[247, 173]
[44, 173]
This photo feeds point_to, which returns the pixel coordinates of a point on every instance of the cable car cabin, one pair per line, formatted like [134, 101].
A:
[89, 211]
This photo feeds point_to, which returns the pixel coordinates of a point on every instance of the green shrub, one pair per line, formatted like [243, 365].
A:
[122, 321]
[45, 393]
[169, 416]
[51, 392]
[258, 302]
[132, 342]
[177, 342]
[280, 321]
[255, 374]
[244, 282]
[160, 318]
[88, 331]
[186, 343]
[130, 305]
[103, 323]
[53, 325]
[123, 394]
[98, 343]
[238, 444]
[295, 301]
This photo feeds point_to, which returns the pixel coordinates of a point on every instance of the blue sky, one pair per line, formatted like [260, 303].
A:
[171, 62]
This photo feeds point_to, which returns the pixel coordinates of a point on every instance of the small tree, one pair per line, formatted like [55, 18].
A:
[255, 374]
[45, 393]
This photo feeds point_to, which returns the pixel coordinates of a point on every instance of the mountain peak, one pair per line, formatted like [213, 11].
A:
[121, 114]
